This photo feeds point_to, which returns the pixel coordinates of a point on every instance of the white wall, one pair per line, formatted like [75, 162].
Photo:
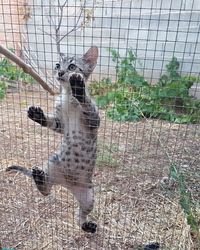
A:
[155, 29]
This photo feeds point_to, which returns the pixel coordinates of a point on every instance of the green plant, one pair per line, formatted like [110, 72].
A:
[2, 89]
[126, 69]
[185, 200]
[172, 73]
[131, 97]
[10, 72]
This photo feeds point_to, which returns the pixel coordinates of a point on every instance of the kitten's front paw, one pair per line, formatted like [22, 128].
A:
[37, 115]
[77, 84]
[89, 227]
[77, 81]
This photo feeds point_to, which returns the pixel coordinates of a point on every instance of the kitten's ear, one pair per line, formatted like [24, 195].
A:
[91, 56]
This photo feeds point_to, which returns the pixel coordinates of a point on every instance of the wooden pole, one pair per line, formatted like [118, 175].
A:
[26, 68]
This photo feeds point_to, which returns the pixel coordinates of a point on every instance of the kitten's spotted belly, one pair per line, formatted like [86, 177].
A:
[77, 158]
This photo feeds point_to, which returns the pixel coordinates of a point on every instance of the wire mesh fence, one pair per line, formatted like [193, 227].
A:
[147, 87]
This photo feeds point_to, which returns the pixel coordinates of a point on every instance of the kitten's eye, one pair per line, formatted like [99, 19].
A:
[57, 66]
[72, 67]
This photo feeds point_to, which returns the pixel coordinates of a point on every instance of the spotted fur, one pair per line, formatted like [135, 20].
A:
[77, 118]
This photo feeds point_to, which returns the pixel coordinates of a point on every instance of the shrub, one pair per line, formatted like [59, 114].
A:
[11, 72]
[132, 97]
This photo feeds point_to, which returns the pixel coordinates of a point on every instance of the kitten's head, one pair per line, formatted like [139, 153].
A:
[83, 66]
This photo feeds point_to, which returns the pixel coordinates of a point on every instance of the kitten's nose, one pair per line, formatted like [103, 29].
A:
[61, 73]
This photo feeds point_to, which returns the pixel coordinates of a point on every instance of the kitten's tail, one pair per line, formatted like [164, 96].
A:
[23, 170]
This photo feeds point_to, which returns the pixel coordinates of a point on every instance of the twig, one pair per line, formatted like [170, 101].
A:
[26, 68]
[50, 19]
[61, 15]
[57, 38]
[57, 29]
[74, 28]
[47, 33]
[64, 3]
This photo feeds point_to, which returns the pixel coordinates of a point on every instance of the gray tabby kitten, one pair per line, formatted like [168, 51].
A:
[76, 117]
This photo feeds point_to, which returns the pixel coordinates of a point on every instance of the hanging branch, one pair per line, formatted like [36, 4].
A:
[57, 37]
[73, 29]
[26, 68]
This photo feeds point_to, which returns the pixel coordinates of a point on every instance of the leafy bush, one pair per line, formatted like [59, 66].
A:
[126, 69]
[132, 97]
[11, 72]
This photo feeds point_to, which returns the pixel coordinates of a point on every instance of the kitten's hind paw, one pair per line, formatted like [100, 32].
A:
[37, 115]
[38, 176]
[152, 246]
[40, 181]
[89, 227]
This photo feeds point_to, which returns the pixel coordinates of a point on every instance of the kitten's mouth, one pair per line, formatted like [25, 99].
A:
[60, 78]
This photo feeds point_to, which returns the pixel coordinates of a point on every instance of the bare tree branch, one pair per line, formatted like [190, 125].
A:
[47, 33]
[61, 7]
[64, 3]
[74, 28]
[57, 29]
[61, 15]
[57, 38]
[26, 68]
[48, 14]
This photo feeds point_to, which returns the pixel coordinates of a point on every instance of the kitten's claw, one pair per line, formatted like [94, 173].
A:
[89, 227]
[78, 87]
[37, 115]
[77, 81]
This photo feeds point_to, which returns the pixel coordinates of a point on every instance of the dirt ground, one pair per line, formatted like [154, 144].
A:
[135, 204]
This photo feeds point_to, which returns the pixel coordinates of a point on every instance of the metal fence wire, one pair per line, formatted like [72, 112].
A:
[147, 87]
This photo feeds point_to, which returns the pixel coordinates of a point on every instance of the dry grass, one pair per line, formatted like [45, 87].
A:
[133, 206]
